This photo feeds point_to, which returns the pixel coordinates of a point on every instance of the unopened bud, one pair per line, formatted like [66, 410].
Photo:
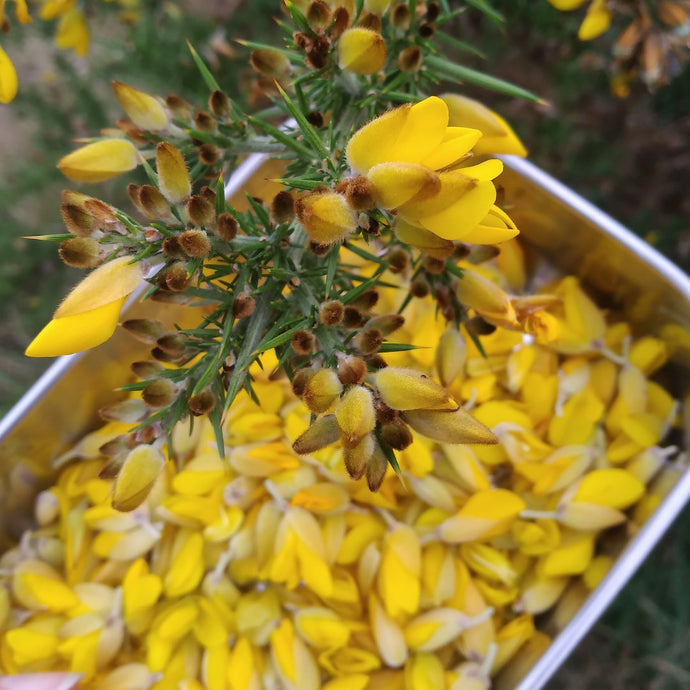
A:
[81, 252]
[112, 468]
[368, 341]
[229, 363]
[200, 210]
[204, 122]
[433, 10]
[357, 458]
[386, 323]
[145, 330]
[434, 266]
[243, 306]
[321, 390]
[454, 426]
[331, 313]
[145, 111]
[370, 20]
[317, 53]
[419, 287]
[396, 435]
[282, 207]
[146, 369]
[148, 434]
[318, 15]
[376, 469]
[323, 432]
[172, 248]
[355, 414]
[319, 249]
[153, 203]
[129, 411]
[270, 63]
[351, 370]
[315, 118]
[426, 30]
[172, 343]
[400, 16]
[159, 393]
[362, 51]
[173, 176]
[47, 507]
[409, 389]
[410, 59]
[209, 154]
[176, 276]
[219, 104]
[202, 403]
[360, 194]
[450, 355]
[352, 317]
[78, 220]
[300, 380]
[180, 108]
[367, 300]
[341, 20]
[195, 243]
[326, 217]
[302, 342]
[227, 227]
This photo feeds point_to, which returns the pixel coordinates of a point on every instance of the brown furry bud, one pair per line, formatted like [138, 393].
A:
[426, 30]
[396, 435]
[153, 203]
[386, 323]
[145, 330]
[201, 404]
[376, 469]
[398, 260]
[179, 108]
[315, 119]
[200, 210]
[433, 9]
[209, 154]
[282, 207]
[357, 458]
[419, 287]
[478, 326]
[376, 362]
[204, 121]
[434, 266]
[146, 369]
[368, 341]
[318, 15]
[410, 59]
[352, 317]
[351, 370]
[171, 247]
[159, 393]
[331, 313]
[177, 277]
[195, 243]
[172, 344]
[208, 193]
[359, 194]
[78, 220]
[147, 434]
[317, 55]
[133, 194]
[219, 104]
[302, 342]
[401, 16]
[162, 356]
[270, 63]
[227, 227]
[81, 252]
[321, 390]
[299, 381]
[243, 305]
[341, 20]
[367, 300]
[370, 20]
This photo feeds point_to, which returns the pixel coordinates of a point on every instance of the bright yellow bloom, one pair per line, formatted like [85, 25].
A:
[412, 158]
[89, 314]
[145, 111]
[8, 78]
[596, 21]
[100, 160]
[362, 51]
[73, 32]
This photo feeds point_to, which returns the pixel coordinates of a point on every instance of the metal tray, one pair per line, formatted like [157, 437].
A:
[574, 236]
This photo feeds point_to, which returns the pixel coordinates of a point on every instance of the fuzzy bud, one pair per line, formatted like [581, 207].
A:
[396, 435]
[356, 415]
[331, 313]
[351, 370]
[315, 119]
[204, 122]
[172, 344]
[401, 16]
[243, 306]
[302, 342]
[370, 20]
[321, 390]
[201, 404]
[195, 243]
[410, 59]
[434, 266]
[376, 469]
[341, 20]
[78, 220]
[352, 317]
[368, 341]
[318, 15]
[427, 30]
[176, 276]
[367, 300]
[145, 111]
[386, 323]
[146, 369]
[153, 203]
[357, 458]
[270, 63]
[129, 411]
[282, 207]
[326, 217]
[219, 104]
[180, 108]
[227, 227]
[171, 247]
[419, 287]
[360, 194]
[159, 393]
[319, 249]
[145, 330]
[317, 54]
[137, 476]
[362, 51]
[300, 380]
[454, 426]
[81, 252]
[200, 210]
[409, 389]
[209, 154]
[323, 432]
[433, 10]
[173, 176]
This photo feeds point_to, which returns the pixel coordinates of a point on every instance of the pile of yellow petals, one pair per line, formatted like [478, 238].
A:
[418, 166]
[597, 20]
[271, 569]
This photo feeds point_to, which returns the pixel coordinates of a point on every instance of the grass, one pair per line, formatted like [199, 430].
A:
[623, 155]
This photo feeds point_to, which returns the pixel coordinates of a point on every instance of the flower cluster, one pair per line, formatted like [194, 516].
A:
[653, 46]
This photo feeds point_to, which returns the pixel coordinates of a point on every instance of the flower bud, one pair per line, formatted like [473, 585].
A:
[357, 458]
[129, 411]
[135, 480]
[331, 313]
[176, 277]
[302, 342]
[180, 108]
[377, 6]
[243, 306]
[450, 355]
[326, 217]
[8, 74]
[323, 432]
[318, 15]
[370, 20]
[153, 203]
[401, 16]
[195, 243]
[172, 344]
[359, 193]
[100, 160]
[351, 370]
[172, 248]
[396, 435]
[282, 207]
[204, 122]
[145, 330]
[227, 227]
[146, 369]
[145, 111]
[81, 252]
[433, 9]
[317, 53]
[173, 176]
[376, 468]
[368, 341]
[352, 317]
[410, 59]
[420, 287]
[202, 403]
[454, 426]
[355, 415]
[321, 390]
[362, 51]
[159, 393]
[386, 323]
[270, 63]
[209, 154]
[300, 380]
[341, 20]
[219, 104]
[77, 219]
[201, 211]
[408, 389]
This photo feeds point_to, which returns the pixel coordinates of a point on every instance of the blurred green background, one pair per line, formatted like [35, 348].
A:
[630, 157]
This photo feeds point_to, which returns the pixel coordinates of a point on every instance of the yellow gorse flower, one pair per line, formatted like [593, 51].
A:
[8, 78]
[596, 21]
[414, 161]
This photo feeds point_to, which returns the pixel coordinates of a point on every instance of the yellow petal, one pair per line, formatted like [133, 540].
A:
[362, 51]
[73, 32]
[611, 487]
[145, 111]
[567, 5]
[484, 171]
[8, 78]
[173, 176]
[454, 426]
[457, 142]
[596, 22]
[21, 11]
[355, 415]
[140, 470]
[423, 239]
[100, 160]
[397, 183]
